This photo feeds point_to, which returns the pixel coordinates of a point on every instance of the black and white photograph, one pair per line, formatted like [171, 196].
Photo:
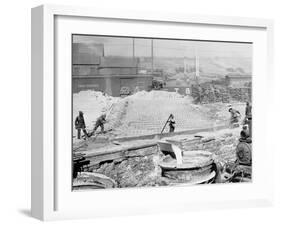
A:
[150, 112]
[140, 113]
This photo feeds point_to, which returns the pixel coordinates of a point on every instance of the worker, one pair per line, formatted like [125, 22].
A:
[100, 123]
[234, 118]
[80, 125]
[248, 113]
[172, 123]
[244, 134]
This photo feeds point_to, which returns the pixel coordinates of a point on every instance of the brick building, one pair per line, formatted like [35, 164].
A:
[94, 71]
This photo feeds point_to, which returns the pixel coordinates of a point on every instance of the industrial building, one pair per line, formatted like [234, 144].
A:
[110, 74]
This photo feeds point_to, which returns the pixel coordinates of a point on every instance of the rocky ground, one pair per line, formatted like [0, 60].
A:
[134, 172]
[145, 170]
[146, 112]
[93, 104]
[221, 143]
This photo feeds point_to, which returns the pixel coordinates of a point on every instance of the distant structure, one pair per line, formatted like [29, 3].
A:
[180, 86]
[197, 67]
[185, 65]
[237, 80]
[92, 70]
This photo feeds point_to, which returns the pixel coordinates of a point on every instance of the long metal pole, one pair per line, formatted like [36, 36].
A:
[165, 124]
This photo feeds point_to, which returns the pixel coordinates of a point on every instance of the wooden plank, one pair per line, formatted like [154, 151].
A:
[120, 152]
[121, 148]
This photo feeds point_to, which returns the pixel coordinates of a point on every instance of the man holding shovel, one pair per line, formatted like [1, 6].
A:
[172, 122]
[100, 123]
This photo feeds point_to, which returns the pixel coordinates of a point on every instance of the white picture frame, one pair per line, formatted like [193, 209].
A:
[47, 187]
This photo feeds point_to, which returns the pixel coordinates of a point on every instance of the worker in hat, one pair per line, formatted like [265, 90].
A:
[80, 125]
[234, 115]
[172, 123]
[100, 123]
[245, 134]
[248, 113]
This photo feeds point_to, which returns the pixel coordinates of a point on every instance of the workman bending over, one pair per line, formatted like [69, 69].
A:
[235, 115]
[100, 123]
[80, 125]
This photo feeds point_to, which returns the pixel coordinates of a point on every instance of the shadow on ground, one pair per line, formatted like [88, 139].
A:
[26, 212]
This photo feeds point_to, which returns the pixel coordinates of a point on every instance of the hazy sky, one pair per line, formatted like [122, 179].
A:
[115, 46]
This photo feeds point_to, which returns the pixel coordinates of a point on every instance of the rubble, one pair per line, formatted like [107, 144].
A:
[92, 104]
[134, 171]
[240, 94]
[139, 115]
[90, 180]
[143, 116]
[145, 170]
[208, 93]
[155, 95]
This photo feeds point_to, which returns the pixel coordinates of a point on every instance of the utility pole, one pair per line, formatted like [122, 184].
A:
[152, 64]
[185, 64]
[133, 47]
[197, 72]
[197, 68]
[103, 50]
